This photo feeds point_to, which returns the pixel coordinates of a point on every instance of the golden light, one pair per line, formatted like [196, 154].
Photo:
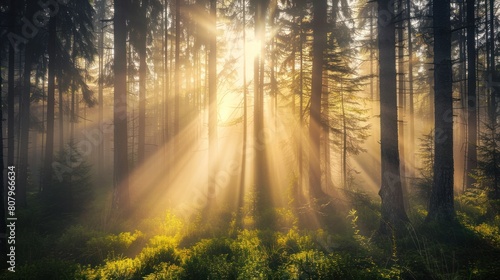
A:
[253, 49]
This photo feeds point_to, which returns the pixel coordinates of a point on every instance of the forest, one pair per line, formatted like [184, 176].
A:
[249, 139]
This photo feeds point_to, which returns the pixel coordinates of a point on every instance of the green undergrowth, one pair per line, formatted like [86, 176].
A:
[168, 247]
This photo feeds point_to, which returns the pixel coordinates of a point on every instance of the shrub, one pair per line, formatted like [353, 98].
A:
[73, 244]
[113, 245]
[69, 191]
[166, 272]
[47, 268]
[251, 258]
[211, 259]
[161, 250]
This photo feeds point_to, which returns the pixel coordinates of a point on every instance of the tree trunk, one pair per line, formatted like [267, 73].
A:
[441, 200]
[49, 144]
[325, 131]
[493, 92]
[61, 119]
[344, 137]
[411, 120]
[121, 192]
[143, 67]
[401, 95]
[177, 75]
[471, 93]
[100, 155]
[24, 113]
[319, 45]
[3, 189]
[301, 116]
[212, 101]
[391, 192]
[11, 88]
[241, 193]
[167, 80]
[263, 197]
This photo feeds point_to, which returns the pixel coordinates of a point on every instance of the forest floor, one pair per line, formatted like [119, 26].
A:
[168, 247]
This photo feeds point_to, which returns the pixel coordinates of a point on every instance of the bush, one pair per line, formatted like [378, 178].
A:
[211, 259]
[251, 259]
[44, 269]
[313, 264]
[112, 246]
[167, 272]
[69, 191]
[73, 244]
[161, 250]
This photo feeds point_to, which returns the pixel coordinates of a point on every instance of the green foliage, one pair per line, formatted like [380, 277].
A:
[211, 259]
[487, 175]
[480, 214]
[73, 244]
[423, 184]
[428, 251]
[70, 191]
[313, 264]
[166, 272]
[160, 250]
[168, 224]
[46, 268]
[112, 246]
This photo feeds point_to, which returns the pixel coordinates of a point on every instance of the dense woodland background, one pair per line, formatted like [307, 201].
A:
[251, 139]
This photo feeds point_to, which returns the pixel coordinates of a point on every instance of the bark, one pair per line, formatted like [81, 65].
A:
[49, 144]
[411, 120]
[401, 95]
[471, 93]
[441, 200]
[263, 196]
[241, 194]
[319, 45]
[493, 92]
[166, 115]
[61, 119]
[143, 67]
[100, 160]
[177, 70]
[121, 192]
[3, 189]
[11, 87]
[212, 99]
[24, 113]
[391, 191]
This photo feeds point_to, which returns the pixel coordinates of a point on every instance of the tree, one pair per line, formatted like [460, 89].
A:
[241, 195]
[121, 193]
[391, 191]
[263, 196]
[401, 92]
[49, 144]
[11, 85]
[3, 222]
[487, 174]
[410, 92]
[441, 201]
[177, 71]
[24, 113]
[471, 92]
[212, 96]
[70, 37]
[140, 25]
[319, 45]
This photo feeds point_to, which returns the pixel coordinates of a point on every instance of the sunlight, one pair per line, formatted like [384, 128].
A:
[253, 49]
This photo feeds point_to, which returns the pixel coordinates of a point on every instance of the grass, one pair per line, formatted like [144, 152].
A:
[167, 247]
